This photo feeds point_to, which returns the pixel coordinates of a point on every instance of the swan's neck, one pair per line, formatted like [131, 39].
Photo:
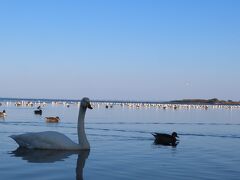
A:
[82, 138]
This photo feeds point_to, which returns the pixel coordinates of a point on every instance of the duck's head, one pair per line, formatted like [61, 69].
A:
[85, 102]
[174, 134]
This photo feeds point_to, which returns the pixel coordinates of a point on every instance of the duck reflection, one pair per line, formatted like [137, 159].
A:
[166, 144]
[51, 156]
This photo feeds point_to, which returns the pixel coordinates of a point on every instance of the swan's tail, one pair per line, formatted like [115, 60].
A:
[18, 140]
[13, 137]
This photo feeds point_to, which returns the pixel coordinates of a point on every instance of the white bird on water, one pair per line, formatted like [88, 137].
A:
[56, 140]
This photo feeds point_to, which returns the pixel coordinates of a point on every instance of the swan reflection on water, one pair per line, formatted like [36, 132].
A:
[51, 156]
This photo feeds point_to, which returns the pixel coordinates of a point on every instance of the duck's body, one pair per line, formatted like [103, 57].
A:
[38, 111]
[3, 113]
[56, 140]
[52, 119]
[165, 139]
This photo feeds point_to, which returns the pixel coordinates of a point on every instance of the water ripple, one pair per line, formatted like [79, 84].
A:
[128, 123]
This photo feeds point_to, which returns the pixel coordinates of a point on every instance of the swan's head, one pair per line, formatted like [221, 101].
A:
[85, 102]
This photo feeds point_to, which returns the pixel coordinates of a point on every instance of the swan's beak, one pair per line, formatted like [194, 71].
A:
[89, 106]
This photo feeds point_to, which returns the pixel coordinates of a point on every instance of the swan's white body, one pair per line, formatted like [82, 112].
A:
[56, 140]
[45, 140]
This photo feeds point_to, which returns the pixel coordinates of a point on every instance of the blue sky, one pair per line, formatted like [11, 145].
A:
[123, 49]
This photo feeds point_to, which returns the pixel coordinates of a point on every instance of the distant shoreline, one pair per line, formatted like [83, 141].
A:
[213, 101]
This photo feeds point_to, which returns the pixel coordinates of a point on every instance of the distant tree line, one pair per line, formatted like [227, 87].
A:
[206, 101]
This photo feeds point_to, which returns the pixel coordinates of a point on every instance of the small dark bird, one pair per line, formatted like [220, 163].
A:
[166, 139]
[38, 111]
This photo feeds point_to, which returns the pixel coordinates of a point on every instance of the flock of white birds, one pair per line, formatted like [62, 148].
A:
[131, 105]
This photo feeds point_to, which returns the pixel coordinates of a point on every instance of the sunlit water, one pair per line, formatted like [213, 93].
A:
[122, 146]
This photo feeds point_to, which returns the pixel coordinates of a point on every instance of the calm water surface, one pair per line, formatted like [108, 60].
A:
[122, 146]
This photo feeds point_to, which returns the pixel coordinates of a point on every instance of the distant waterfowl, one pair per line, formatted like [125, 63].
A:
[52, 119]
[165, 139]
[56, 140]
[38, 111]
[3, 113]
[17, 104]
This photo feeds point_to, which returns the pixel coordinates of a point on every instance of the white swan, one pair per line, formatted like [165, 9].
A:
[56, 140]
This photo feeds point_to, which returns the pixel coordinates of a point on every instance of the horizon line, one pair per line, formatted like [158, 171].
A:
[102, 100]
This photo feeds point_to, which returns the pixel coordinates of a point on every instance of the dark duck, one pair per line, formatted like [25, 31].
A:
[166, 139]
[38, 111]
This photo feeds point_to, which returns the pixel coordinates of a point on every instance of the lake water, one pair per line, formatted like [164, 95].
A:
[122, 146]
